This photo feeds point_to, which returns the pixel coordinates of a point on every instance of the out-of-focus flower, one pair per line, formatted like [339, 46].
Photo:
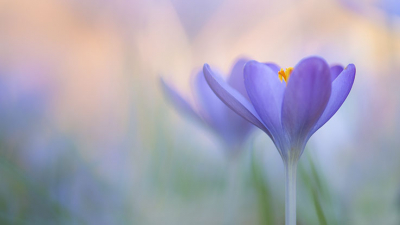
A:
[289, 106]
[210, 110]
[391, 7]
[24, 103]
[195, 14]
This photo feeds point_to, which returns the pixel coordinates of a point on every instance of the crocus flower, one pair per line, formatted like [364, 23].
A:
[211, 111]
[289, 106]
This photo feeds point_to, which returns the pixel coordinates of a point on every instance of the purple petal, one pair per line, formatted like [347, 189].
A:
[335, 71]
[273, 67]
[266, 93]
[227, 123]
[233, 99]
[212, 109]
[177, 100]
[236, 79]
[341, 87]
[307, 93]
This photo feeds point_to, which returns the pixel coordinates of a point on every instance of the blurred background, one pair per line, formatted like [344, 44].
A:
[88, 137]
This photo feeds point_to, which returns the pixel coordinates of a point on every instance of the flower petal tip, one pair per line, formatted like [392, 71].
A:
[206, 67]
[251, 63]
[351, 66]
[251, 66]
[350, 70]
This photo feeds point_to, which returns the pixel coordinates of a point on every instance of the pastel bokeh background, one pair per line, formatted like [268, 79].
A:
[88, 137]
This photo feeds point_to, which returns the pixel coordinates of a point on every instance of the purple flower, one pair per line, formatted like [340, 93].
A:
[390, 7]
[210, 110]
[288, 106]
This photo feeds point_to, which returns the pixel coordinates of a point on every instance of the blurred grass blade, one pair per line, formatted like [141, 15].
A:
[265, 207]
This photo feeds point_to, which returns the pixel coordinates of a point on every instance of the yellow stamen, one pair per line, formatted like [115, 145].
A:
[285, 74]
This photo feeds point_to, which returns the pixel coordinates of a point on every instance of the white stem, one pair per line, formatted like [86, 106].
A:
[290, 197]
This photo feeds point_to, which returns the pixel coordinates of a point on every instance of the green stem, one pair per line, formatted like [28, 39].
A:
[290, 197]
[232, 191]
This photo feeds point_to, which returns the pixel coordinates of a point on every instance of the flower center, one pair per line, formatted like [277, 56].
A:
[284, 75]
